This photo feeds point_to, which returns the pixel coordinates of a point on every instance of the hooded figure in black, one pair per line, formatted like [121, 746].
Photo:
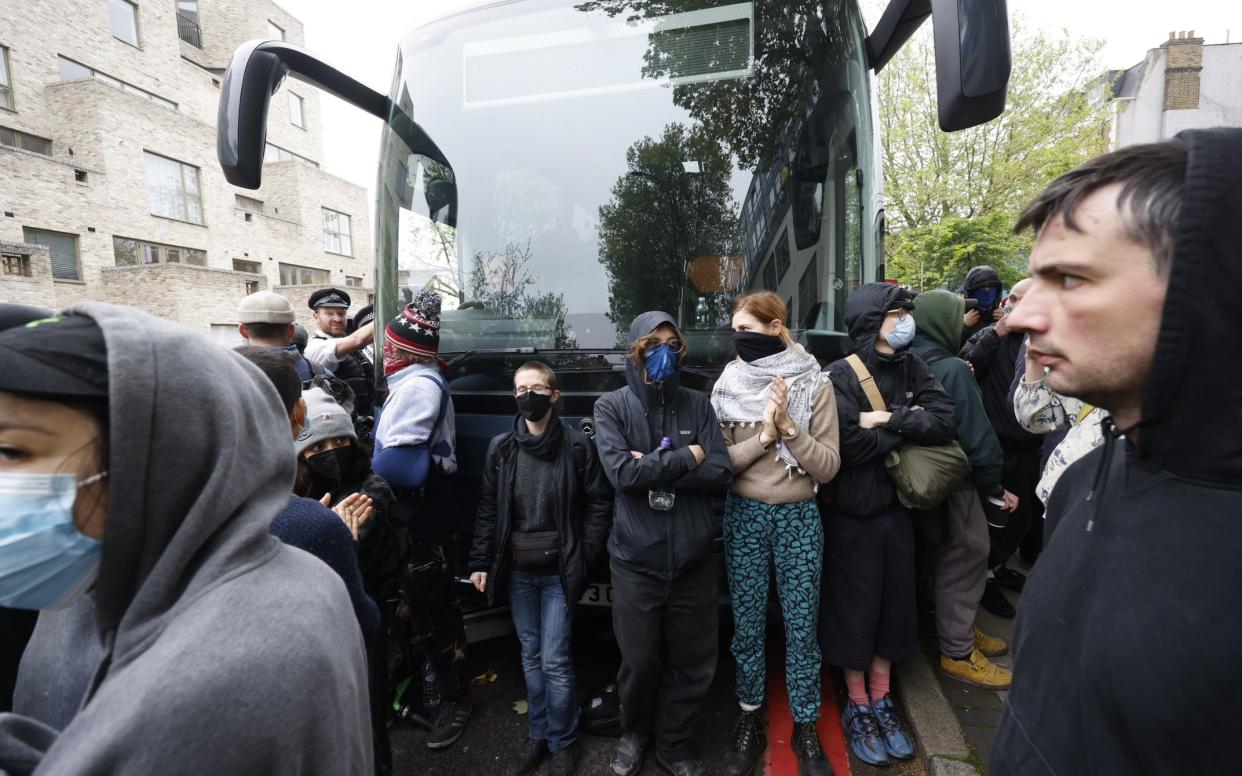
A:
[661, 447]
[867, 613]
[1127, 643]
[984, 286]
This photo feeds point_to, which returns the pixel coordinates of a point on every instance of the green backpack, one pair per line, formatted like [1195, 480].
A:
[924, 475]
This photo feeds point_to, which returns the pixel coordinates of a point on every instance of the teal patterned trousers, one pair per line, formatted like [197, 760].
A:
[758, 535]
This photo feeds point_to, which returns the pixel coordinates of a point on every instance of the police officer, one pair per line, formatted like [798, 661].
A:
[331, 348]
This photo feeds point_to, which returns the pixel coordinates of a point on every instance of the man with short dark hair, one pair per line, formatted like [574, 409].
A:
[265, 319]
[330, 347]
[1126, 647]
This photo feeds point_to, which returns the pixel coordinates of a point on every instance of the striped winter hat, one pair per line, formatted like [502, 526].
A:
[417, 327]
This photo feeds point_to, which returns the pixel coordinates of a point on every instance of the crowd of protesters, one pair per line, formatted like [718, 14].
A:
[215, 599]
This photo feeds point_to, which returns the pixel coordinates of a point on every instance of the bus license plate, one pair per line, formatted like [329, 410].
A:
[597, 595]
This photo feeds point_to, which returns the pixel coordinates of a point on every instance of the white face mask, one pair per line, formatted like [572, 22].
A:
[902, 335]
[45, 561]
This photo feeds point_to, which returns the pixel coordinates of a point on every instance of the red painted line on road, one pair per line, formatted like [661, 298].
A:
[780, 759]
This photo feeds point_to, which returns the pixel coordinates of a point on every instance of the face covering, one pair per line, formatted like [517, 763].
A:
[330, 465]
[986, 297]
[533, 406]
[660, 362]
[752, 345]
[903, 334]
[45, 561]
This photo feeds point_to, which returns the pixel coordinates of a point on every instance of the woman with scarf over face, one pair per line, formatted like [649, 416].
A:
[778, 415]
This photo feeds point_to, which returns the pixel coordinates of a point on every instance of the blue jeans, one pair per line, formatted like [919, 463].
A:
[543, 623]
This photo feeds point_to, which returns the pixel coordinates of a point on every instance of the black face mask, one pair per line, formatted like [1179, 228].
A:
[533, 406]
[330, 465]
[752, 346]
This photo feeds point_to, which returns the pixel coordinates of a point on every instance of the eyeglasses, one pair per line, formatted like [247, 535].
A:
[900, 311]
[541, 390]
[650, 342]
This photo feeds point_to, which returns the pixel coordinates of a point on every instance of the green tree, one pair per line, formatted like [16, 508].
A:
[939, 255]
[660, 217]
[1050, 125]
[500, 283]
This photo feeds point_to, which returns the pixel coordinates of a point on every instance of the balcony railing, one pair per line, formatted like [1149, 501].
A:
[189, 31]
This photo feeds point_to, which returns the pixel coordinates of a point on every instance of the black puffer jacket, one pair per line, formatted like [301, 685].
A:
[663, 544]
[995, 361]
[583, 526]
[862, 488]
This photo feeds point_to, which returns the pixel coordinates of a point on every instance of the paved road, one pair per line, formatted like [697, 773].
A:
[497, 727]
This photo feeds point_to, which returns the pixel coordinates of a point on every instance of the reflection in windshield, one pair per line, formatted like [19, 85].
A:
[612, 157]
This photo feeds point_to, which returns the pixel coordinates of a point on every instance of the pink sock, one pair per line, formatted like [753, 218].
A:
[879, 685]
[857, 691]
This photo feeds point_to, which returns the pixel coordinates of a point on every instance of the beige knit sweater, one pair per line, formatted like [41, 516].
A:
[761, 475]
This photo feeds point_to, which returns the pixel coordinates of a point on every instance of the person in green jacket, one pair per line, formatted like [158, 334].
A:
[959, 559]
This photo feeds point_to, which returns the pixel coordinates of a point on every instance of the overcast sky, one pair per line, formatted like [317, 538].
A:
[361, 38]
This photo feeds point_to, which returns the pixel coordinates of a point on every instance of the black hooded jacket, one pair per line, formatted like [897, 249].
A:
[663, 544]
[1128, 640]
[977, 278]
[862, 488]
[995, 361]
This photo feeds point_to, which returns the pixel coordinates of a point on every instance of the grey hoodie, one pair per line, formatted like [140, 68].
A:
[217, 649]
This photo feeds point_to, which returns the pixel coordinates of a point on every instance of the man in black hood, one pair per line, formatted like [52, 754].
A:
[1127, 644]
[660, 445]
[982, 285]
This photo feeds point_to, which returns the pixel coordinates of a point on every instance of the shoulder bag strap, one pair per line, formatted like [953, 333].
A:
[867, 382]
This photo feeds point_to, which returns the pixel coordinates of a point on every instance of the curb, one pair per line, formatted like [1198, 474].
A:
[935, 726]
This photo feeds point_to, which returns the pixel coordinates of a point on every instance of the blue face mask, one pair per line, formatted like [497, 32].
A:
[903, 334]
[660, 362]
[986, 297]
[45, 562]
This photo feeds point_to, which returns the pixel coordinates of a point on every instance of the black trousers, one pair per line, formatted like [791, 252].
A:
[16, 625]
[667, 632]
[435, 622]
[1021, 475]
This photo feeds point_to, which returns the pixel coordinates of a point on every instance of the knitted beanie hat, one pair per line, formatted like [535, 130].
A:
[417, 327]
[325, 419]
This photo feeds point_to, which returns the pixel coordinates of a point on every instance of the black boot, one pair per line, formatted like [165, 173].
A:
[811, 759]
[749, 742]
[1008, 578]
[627, 758]
[529, 756]
[995, 601]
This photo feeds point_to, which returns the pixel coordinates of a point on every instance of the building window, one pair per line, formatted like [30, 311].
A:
[64, 250]
[274, 153]
[295, 111]
[781, 254]
[336, 236]
[14, 139]
[252, 287]
[73, 71]
[131, 253]
[187, 23]
[353, 282]
[249, 204]
[227, 335]
[275, 31]
[16, 265]
[6, 81]
[241, 265]
[294, 275]
[173, 189]
[123, 19]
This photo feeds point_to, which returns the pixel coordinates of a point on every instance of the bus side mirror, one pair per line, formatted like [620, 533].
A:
[256, 71]
[972, 61]
[973, 58]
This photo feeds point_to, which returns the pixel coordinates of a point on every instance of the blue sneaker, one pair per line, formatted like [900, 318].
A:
[896, 740]
[864, 734]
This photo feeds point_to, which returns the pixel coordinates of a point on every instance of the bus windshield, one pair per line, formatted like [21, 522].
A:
[608, 157]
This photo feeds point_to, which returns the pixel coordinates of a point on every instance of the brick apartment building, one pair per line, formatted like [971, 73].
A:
[109, 185]
[1182, 84]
